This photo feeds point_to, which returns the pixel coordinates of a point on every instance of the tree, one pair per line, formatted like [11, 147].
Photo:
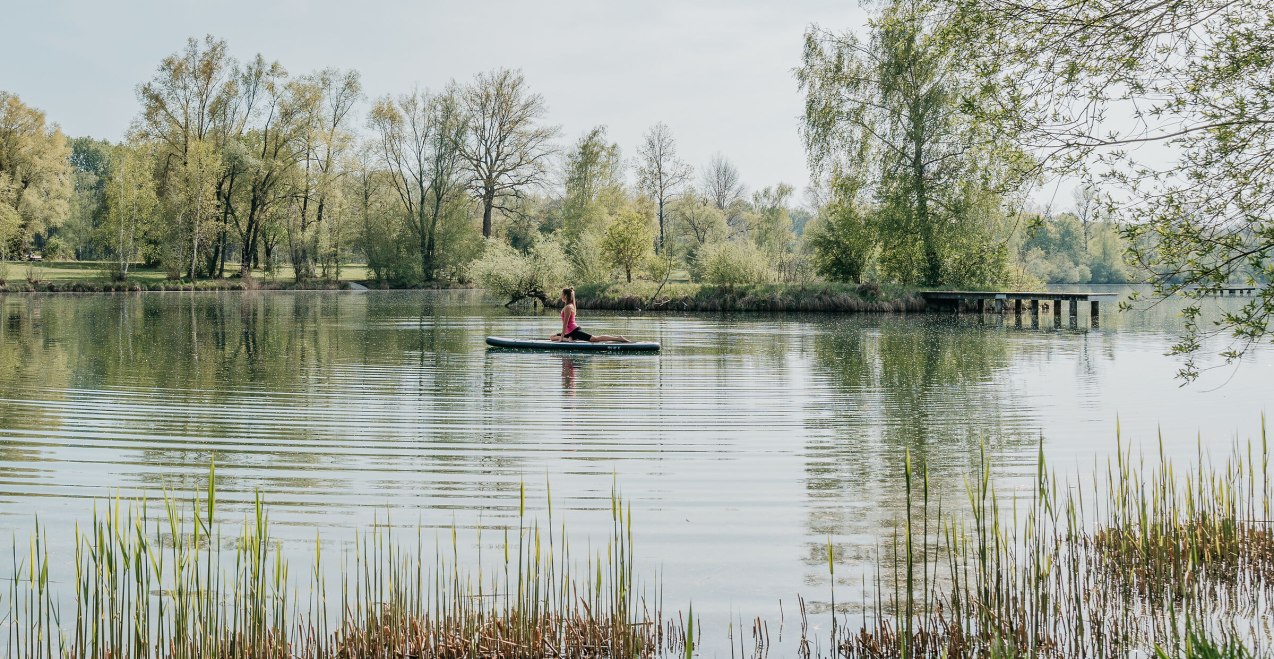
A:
[594, 184]
[700, 219]
[192, 198]
[35, 175]
[131, 204]
[1184, 81]
[506, 150]
[661, 174]
[722, 183]
[517, 275]
[330, 95]
[628, 240]
[419, 141]
[263, 156]
[772, 224]
[189, 101]
[842, 237]
[92, 162]
[897, 102]
[1087, 210]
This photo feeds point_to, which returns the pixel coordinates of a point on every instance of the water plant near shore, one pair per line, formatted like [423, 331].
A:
[1147, 559]
[1152, 559]
[168, 588]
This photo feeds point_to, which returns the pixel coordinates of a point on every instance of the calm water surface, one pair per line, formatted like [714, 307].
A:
[743, 447]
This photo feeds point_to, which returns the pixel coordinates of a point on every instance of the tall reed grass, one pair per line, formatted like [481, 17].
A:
[1148, 559]
[164, 587]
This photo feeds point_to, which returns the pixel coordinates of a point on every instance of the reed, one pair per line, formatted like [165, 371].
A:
[164, 587]
[1146, 559]
[1149, 559]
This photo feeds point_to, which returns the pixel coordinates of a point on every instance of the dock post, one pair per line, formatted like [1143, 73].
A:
[1057, 313]
[1035, 314]
[981, 306]
[1017, 313]
[1095, 319]
[1074, 313]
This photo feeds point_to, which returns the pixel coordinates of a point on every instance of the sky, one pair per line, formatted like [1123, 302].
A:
[718, 72]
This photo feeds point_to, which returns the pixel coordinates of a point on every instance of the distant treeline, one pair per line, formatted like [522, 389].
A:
[233, 167]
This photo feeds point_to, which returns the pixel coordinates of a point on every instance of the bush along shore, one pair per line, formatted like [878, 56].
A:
[814, 297]
[1149, 559]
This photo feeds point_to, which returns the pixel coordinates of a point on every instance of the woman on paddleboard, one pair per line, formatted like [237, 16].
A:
[571, 331]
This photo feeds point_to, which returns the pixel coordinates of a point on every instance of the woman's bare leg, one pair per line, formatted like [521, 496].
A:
[603, 338]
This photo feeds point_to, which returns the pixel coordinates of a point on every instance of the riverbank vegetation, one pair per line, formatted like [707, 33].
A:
[927, 135]
[259, 171]
[165, 586]
[1150, 558]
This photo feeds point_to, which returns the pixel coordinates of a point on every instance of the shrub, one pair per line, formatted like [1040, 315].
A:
[732, 263]
[628, 240]
[537, 273]
[842, 241]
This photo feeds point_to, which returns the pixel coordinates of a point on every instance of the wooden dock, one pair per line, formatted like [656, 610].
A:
[1000, 301]
[1232, 291]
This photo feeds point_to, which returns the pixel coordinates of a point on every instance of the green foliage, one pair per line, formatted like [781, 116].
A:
[92, 163]
[537, 273]
[732, 263]
[698, 222]
[895, 112]
[770, 225]
[1192, 171]
[35, 176]
[594, 185]
[842, 238]
[1054, 251]
[589, 261]
[629, 240]
[132, 203]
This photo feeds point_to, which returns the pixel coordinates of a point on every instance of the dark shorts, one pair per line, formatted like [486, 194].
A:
[579, 335]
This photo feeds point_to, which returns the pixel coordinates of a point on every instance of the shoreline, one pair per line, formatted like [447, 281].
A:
[203, 285]
[790, 298]
[641, 296]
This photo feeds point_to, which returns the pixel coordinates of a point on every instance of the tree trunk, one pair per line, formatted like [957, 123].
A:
[661, 228]
[488, 201]
[933, 264]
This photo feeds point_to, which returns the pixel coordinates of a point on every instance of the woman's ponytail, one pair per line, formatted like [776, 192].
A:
[569, 294]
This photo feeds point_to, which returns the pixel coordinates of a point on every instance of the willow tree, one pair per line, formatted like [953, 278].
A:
[899, 100]
[507, 148]
[35, 174]
[1168, 103]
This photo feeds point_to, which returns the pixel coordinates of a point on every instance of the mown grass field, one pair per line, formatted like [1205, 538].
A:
[98, 272]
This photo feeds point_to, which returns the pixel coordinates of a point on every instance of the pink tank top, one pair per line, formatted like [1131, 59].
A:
[570, 321]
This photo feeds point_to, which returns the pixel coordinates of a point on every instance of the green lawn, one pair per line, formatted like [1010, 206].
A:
[98, 272]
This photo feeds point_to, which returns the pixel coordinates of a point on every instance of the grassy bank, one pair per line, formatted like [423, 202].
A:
[1152, 559]
[813, 297]
[95, 277]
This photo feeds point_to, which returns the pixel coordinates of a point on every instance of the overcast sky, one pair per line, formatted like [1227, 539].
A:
[718, 72]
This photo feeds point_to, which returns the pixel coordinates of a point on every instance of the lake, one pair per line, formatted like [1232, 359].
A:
[743, 447]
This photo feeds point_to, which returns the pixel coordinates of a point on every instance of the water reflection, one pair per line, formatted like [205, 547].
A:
[744, 446]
